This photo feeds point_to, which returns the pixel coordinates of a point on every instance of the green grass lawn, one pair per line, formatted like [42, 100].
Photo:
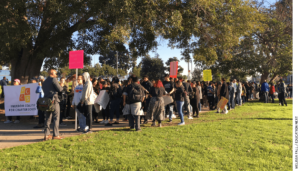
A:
[256, 136]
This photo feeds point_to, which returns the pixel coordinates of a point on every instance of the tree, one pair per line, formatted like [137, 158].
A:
[125, 60]
[137, 71]
[44, 73]
[153, 67]
[197, 74]
[35, 30]
[180, 69]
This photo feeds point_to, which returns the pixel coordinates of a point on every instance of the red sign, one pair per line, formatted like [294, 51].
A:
[76, 59]
[173, 69]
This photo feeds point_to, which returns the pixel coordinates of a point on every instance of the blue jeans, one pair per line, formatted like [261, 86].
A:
[179, 109]
[115, 108]
[199, 106]
[232, 101]
[169, 111]
[81, 120]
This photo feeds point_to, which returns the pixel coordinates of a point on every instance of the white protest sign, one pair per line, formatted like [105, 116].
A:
[21, 100]
[102, 99]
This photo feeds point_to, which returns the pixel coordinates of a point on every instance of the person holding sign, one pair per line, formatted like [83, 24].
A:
[9, 118]
[225, 94]
[51, 88]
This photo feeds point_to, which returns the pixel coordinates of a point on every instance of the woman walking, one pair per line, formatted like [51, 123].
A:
[179, 98]
[156, 107]
[195, 100]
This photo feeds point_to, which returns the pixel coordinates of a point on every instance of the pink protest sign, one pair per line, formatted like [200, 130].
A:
[76, 59]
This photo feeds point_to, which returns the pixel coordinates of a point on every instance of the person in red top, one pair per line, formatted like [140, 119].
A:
[272, 91]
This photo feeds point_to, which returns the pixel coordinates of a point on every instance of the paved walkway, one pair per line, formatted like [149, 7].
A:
[23, 133]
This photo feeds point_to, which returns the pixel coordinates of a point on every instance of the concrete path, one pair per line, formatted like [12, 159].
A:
[23, 133]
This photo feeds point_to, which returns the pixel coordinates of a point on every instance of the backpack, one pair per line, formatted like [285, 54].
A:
[114, 93]
[45, 104]
[136, 94]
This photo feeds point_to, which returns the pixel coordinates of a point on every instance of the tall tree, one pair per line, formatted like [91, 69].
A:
[33, 30]
[153, 67]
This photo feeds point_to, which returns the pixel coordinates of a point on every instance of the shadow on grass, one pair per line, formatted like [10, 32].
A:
[271, 118]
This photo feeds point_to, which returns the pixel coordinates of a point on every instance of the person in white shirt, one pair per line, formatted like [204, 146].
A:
[76, 101]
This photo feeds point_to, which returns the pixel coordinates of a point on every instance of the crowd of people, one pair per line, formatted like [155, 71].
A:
[139, 100]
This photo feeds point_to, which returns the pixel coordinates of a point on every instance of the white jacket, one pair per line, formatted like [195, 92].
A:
[77, 95]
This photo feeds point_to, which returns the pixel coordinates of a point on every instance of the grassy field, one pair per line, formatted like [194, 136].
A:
[256, 136]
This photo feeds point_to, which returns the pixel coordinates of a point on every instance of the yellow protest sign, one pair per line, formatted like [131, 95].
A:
[207, 76]
[222, 103]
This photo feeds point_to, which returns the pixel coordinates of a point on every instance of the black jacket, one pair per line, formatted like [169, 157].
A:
[179, 93]
[157, 92]
[147, 85]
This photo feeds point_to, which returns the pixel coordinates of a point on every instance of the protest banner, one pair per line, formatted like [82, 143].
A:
[173, 69]
[102, 99]
[207, 76]
[76, 59]
[21, 100]
[75, 62]
[222, 103]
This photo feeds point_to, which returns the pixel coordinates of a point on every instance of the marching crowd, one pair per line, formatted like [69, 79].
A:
[139, 100]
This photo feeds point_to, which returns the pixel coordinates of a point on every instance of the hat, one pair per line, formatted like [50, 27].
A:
[17, 80]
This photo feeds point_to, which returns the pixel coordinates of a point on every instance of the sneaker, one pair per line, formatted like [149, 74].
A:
[190, 117]
[102, 122]
[17, 121]
[183, 123]
[80, 130]
[39, 126]
[106, 122]
[173, 116]
[62, 124]
[217, 112]
[8, 121]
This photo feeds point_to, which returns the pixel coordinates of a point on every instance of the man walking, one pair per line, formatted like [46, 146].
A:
[136, 96]
[282, 91]
[239, 92]
[265, 91]
[2, 84]
[51, 88]
[232, 94]
[169, 87]
[147, 85]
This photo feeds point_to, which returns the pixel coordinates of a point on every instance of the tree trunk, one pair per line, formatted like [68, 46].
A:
[264, 77]
[25, 66]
